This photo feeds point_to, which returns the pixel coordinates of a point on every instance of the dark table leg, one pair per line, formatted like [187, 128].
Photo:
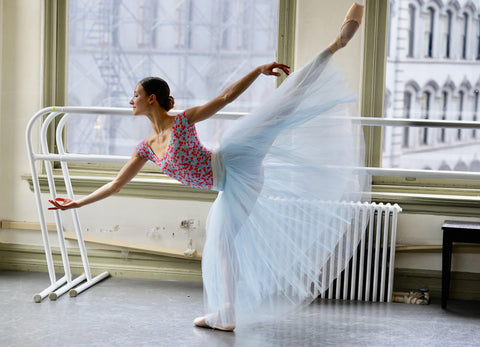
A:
[446, 266]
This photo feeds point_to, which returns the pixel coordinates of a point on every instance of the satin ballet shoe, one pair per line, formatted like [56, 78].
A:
[202, 323]
[227, 312]
[352, 22]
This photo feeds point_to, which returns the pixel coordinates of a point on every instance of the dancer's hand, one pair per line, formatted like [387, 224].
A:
[267, 69]
[62, 204]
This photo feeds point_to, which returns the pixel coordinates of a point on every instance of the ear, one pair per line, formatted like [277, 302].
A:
[152, 98]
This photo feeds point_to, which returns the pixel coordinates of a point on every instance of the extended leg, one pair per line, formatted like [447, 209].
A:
[349, 27]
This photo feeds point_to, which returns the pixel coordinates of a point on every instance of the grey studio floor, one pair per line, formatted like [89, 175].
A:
[139, 312]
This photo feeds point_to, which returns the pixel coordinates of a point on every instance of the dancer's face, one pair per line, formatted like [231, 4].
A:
[139, 100]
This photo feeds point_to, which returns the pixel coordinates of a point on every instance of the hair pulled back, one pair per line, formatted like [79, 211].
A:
[161, 90]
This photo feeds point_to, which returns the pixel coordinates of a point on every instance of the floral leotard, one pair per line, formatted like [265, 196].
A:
[186, 159]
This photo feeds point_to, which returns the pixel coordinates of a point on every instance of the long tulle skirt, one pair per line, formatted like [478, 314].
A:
[276, 224]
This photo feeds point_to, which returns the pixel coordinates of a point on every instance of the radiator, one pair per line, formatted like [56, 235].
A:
[362, 265]
[368, 275]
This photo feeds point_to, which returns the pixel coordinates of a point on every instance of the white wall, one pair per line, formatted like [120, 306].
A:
[20, 30]
[20, 98]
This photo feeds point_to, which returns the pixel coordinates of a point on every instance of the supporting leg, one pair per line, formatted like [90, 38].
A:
[224, 319]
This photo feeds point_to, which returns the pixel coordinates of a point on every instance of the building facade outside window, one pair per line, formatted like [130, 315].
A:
[436, 86]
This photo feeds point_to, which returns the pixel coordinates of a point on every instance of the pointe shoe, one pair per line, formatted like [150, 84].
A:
[352, 21]
[202, 323]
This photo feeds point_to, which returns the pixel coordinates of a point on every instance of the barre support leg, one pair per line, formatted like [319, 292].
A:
[74, 292]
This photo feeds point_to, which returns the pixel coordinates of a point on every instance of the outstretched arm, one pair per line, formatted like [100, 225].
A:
[126, 174]
[199, 113]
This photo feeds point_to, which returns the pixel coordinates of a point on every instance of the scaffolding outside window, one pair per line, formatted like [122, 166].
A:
[199, 47]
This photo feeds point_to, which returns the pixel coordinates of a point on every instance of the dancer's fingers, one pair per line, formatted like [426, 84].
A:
[284, 68]
[60, 204]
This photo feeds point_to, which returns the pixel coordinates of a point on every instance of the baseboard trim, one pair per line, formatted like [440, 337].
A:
[119, 263]
[21, 257]
[463, 285]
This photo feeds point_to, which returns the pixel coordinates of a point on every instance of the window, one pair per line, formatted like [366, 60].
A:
[478, 38]
[465, 36]
[411, 30]
[475, 111]
[442, 137]
[408, 109]
[461, 96]
[429, 26]
[448, 33]
[426, 99]
[199, 47]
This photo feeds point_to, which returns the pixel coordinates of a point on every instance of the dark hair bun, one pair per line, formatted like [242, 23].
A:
[157, 86]
[171, 102]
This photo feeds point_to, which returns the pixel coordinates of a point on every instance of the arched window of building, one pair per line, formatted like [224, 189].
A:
[448, 33]
[478, 38]
[407, 106]
[429, 27]
[475, 111]
[444, 166]
[461, 166]
[426, 104]
[411, 30]
[443, 138]
[465, 36]
[461, 97]
[475, 165]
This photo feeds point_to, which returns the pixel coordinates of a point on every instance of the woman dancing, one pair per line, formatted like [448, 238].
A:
[281, 173]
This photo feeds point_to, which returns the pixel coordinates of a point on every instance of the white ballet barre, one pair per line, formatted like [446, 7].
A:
[65, 284]
[424, 123]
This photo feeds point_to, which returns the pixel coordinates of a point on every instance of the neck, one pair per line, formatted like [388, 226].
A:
[159, 120]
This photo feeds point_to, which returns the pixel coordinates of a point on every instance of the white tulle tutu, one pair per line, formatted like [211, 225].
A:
[281, 172]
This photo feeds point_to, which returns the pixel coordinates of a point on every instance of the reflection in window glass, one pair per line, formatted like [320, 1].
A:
[443, 84]
[199, 47]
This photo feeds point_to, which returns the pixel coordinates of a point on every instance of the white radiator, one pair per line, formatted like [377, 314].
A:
[363, 261]
[368, 275]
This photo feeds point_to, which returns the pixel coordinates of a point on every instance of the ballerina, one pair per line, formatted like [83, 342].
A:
[258, 262]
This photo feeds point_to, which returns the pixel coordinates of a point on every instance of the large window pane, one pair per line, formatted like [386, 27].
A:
[439, 86]
[198, 46]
